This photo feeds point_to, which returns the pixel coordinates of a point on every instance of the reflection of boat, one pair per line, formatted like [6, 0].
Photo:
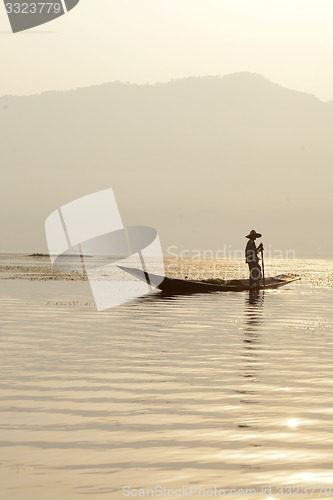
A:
[182, 287]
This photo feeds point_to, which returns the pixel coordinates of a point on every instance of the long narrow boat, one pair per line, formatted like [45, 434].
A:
[173, 286]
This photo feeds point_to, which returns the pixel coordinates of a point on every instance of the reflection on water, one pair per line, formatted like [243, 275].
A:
[253, 311]
[227, 390]
[254, 304]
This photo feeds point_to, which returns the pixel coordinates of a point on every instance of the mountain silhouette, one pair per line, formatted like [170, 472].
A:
[200, 159]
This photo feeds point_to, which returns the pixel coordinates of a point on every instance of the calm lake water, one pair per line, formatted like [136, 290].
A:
[228, 390]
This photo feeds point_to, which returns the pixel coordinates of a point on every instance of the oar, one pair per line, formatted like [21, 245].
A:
[263, 265]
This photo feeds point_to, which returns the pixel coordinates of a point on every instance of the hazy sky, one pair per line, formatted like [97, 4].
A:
[288, 41]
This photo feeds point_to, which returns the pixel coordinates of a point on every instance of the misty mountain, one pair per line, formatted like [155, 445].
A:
[204, 160]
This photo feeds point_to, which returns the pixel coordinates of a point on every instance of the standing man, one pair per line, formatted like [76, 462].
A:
[252, 259]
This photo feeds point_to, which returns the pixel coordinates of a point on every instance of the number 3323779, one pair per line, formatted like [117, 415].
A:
[33, 8]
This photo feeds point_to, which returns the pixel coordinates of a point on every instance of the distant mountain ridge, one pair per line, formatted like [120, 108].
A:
[180, 156]
[240, 78]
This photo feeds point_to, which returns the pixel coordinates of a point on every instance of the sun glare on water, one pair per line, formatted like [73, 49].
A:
[293, 423]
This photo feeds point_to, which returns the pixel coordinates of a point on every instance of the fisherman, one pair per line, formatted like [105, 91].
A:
[252, 259]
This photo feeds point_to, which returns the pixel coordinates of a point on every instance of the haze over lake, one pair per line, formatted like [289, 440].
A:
[202, 160]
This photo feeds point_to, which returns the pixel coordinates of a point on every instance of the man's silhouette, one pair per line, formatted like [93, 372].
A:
[252, 259]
